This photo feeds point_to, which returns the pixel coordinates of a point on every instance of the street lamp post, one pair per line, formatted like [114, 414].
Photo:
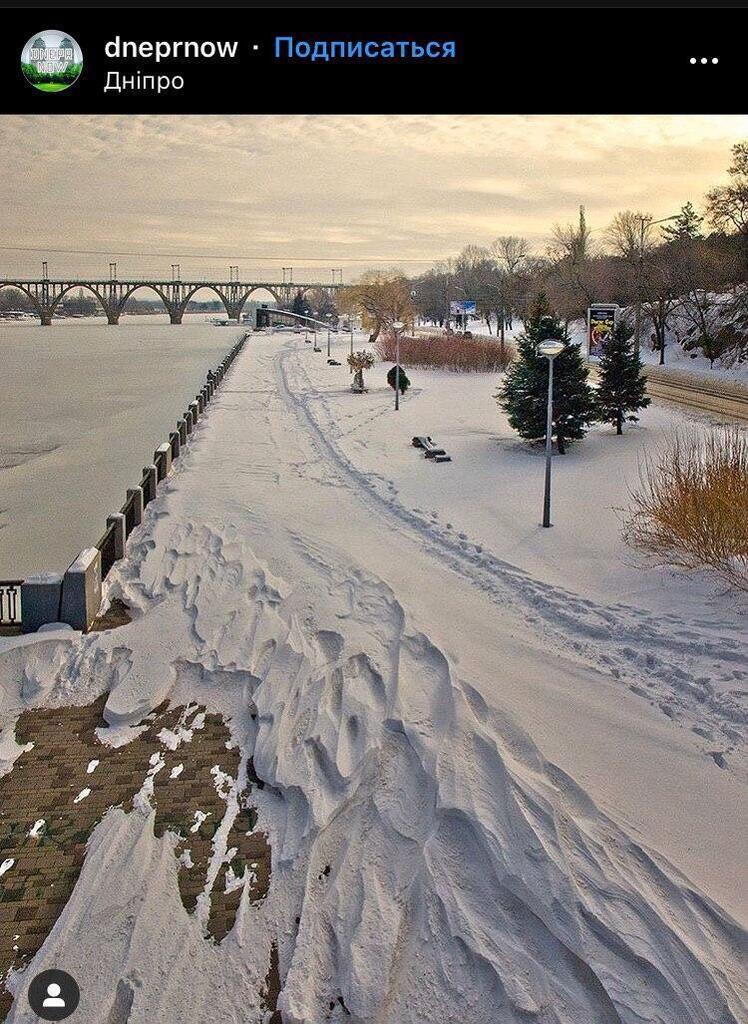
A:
[550, 349]
[397, 327]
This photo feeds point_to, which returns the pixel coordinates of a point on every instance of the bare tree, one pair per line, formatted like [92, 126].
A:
[630, 234]
[381, 299]
[510, 251]
[727, 205]
[571, 277]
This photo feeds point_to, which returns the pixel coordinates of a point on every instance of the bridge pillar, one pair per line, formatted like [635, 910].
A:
[46, 319]
[175, 316]
[112, 318]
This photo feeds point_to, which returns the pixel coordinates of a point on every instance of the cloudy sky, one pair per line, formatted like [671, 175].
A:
[315, 192]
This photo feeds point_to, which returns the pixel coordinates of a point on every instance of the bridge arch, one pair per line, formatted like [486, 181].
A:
[89, 288]
[29, 294]
[263, 288]
[227, 304]
[150, 287]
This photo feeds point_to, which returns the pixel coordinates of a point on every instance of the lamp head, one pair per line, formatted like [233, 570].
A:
[550, 348]
[398, 325]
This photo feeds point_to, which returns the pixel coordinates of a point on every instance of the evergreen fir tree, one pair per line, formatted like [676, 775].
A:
[686, 226]
[622, 388]
[300, 305]
[403, 380]
[524, 392]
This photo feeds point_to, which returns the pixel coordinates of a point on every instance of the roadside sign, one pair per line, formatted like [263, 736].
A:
[601, 322]
[462, 307]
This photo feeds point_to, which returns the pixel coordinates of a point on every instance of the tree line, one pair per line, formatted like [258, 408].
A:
[686, 275]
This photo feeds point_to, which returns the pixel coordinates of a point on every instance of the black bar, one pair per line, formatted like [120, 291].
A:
[533, 59]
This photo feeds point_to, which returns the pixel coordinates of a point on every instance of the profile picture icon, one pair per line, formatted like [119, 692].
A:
[51, 61]
[54, 995]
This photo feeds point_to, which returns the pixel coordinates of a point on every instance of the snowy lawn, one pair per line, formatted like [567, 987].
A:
[489, 498]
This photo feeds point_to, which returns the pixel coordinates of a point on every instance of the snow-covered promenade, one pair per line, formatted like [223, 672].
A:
[477, 809]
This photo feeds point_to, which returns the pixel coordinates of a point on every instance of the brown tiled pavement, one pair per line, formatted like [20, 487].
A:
[46, 779]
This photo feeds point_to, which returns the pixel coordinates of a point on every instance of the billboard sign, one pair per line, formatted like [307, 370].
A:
[462, 307]
[601, 321]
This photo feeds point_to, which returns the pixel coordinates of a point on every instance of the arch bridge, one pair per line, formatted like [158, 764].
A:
[47, 293]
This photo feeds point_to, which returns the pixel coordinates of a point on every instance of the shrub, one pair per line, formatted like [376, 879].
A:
[402, 379]
[447, 352]
[691, 509]
[358, 362]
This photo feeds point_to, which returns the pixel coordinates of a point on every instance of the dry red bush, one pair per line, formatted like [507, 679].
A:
[447, 352]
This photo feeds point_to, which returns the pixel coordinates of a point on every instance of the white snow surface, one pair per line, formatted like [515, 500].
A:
[490, 793]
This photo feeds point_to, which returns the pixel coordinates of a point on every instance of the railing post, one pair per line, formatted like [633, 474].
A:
[135, 495]
[182, 428]
[40, 600]
[81, 590]
[176, 444]
[150, 477]
[117, 520]
[162, 461]
[200, 401]
[195, 411]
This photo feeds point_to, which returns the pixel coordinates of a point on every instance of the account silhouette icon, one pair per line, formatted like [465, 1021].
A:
[54, 995]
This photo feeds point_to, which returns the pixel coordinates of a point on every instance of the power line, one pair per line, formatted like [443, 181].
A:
[193, 256]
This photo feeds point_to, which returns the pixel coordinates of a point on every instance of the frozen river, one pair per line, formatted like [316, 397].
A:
[83, 407]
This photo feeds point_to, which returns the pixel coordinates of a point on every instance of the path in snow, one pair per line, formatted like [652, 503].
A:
[693, 670]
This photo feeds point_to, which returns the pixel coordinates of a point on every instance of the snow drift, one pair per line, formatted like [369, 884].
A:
[440, 868]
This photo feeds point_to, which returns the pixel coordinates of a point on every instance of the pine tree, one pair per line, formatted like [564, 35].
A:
[524, 392]
[300, 305]
[622, 388]
[685, 227]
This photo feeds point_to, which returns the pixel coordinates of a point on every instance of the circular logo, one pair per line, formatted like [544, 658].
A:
[51, 61]
[54, 995]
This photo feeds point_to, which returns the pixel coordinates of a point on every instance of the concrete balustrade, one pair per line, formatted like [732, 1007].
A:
[40, 600]
[81, 590]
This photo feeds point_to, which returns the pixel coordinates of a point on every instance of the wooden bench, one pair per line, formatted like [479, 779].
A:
[431, 450]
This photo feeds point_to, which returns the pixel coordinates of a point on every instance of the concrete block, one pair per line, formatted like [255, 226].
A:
[136, 495]
[40, 600]
[150, 474]
[176, 444]
[81, 590]
[117, 520]
[182, 429]
[162, 460]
